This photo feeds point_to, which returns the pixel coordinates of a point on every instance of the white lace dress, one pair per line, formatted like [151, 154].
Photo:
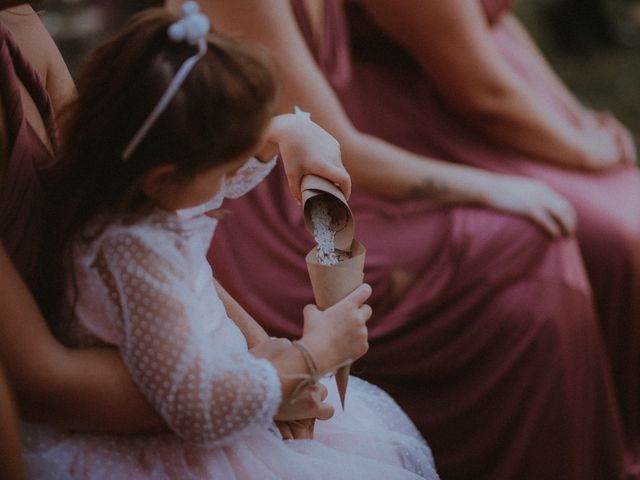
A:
[148, 290]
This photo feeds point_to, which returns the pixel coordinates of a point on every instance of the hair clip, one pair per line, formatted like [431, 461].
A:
[192, 28]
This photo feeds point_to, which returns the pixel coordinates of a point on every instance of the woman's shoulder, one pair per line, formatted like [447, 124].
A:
[26, 28]
[39, 48]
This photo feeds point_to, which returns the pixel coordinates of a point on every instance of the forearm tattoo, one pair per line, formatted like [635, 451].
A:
[429, 188]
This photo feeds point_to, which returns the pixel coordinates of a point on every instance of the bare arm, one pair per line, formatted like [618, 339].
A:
[586, 119]
[453, 43]
[513, 25]
[271, 23]
[11, 466]
[251, 330]
[89, 390]
[374, 165]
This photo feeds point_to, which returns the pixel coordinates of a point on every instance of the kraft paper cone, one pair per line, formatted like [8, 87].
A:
[331, 283]
[341, 217]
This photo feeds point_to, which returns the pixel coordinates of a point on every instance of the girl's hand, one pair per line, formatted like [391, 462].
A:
[307, 148]
[534, 200]
[338, 334]
[270, 348]
[309, 405]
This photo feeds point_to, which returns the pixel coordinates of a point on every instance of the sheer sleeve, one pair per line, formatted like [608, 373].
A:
[204, 392]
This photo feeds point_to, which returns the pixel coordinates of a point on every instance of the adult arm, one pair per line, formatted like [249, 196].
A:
[588, 120]
[11, 466]
[510, 23]
[88, 390]
[453, 43]
[271, 23]
[375, 165]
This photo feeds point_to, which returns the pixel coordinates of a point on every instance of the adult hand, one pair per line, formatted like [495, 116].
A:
[305, 148]
[606, 143]
[297, 420]
[297, 429]
[310, 404]
[534, 200]
[626, 145]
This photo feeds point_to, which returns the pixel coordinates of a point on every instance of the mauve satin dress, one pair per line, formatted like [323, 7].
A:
[21, 188]
[484, 330]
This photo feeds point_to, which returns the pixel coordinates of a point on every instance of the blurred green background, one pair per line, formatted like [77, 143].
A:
[603, 72]
[594, 45]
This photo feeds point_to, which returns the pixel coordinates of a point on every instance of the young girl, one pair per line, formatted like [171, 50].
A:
[165, 121]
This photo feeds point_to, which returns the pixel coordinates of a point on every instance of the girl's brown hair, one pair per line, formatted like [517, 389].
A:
[219, 112]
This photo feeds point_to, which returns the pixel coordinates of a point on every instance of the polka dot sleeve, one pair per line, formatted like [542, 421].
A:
[205, 394]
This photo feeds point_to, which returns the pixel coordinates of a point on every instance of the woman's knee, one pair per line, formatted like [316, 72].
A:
[507, 248]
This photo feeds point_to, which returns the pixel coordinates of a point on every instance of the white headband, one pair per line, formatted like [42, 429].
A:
[193, 29]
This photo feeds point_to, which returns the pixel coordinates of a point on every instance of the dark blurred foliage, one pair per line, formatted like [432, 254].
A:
[594, 45]
[78, 25]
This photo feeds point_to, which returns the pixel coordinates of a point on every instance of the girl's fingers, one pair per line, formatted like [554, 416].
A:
[365, 311]
[325, 411]
[320, 391]
[358, 296]
[310, 309]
